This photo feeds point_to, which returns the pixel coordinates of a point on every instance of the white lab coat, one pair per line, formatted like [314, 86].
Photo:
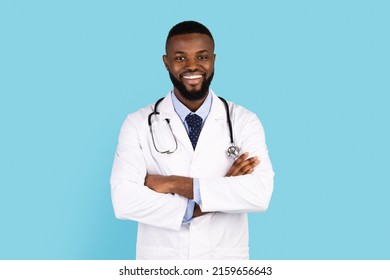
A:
[221, 234]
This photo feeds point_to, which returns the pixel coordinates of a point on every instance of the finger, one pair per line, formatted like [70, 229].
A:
[249, 168]
[245, 166]
[250, 164]
[237, 163]
[250, 171]
[240, 159]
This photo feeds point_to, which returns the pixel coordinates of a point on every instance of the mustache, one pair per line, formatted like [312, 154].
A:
[191, 94]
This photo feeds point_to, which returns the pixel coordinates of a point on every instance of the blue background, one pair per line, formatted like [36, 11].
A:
[316, 73]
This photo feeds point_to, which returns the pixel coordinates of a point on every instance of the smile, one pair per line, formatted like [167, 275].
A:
[192, 77]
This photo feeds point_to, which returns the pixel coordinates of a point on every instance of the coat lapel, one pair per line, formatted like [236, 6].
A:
[213, 125]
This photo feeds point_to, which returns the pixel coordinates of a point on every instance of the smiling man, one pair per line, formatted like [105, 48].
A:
[191, 166]
[190, 60]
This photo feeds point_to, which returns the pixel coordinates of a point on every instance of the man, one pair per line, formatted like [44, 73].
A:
[171, 171]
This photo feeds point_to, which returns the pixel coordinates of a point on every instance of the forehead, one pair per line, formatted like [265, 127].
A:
[193, 42]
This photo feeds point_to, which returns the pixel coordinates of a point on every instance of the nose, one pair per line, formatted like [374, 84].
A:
[191, 64]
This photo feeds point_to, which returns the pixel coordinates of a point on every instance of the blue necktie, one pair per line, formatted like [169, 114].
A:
[194, 123]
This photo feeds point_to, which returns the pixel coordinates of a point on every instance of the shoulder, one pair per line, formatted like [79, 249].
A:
[141, 114]
[242, 118]
[240, 110]
[139, 119]
[234, 109]
[136, 121]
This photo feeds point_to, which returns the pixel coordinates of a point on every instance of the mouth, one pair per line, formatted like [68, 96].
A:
[192, 79]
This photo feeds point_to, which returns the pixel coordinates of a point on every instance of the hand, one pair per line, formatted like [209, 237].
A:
[243, 165]
[198, 212]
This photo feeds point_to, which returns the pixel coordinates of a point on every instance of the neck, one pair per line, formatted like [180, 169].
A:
[192, 105]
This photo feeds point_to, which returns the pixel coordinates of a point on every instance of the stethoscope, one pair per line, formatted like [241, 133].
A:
[233, 151]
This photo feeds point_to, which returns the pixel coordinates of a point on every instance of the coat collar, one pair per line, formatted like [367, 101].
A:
[217, 107]
[209, 130]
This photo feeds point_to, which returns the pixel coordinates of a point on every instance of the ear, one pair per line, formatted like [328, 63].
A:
[165, 60]
[215, 57]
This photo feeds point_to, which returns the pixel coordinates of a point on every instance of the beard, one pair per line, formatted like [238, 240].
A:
[192, 95]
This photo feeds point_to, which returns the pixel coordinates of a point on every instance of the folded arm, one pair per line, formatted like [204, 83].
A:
[246, 193]
[183, 186]
[243, 188]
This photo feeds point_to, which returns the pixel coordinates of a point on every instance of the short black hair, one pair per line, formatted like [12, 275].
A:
[188, 27]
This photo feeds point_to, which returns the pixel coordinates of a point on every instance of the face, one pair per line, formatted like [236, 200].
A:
[190, 63]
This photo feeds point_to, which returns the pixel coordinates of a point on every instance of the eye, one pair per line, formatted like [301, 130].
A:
[180, 58]
[203, 57]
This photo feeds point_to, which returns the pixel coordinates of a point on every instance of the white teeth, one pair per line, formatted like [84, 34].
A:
[192, 77]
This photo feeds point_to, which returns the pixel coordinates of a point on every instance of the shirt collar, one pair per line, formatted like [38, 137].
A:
[203, 111]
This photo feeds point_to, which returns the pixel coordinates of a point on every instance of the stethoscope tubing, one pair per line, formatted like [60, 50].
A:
[232, 150]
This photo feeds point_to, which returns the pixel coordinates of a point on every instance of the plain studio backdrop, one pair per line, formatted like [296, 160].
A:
[315, 72]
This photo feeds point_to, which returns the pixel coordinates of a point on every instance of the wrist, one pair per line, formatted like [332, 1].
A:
[182, 186]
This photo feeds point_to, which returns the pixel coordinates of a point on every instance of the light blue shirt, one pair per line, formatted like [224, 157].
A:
[182, 111]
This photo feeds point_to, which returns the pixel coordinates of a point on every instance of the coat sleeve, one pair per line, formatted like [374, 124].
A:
[131, 199]
[246, 193]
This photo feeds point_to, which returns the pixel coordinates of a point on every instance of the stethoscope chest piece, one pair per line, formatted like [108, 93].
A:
[233, 152]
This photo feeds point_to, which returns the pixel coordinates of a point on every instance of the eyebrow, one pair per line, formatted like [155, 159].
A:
[201, 51]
